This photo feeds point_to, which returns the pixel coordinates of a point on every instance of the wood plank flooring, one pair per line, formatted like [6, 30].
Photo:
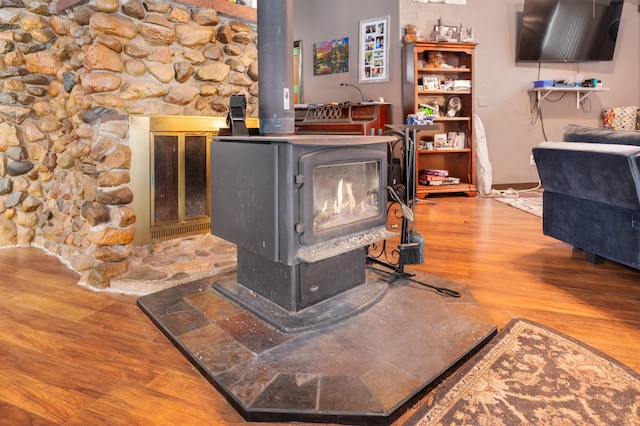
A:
[72, 356]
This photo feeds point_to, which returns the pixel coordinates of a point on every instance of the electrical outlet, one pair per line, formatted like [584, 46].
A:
[532, 160]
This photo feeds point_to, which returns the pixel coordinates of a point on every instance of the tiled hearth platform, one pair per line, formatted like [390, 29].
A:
[365, 369]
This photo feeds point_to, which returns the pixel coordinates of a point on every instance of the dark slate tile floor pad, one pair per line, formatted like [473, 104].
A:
[366, 368]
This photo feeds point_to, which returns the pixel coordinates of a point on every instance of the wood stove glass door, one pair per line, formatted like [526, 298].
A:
[345, 193]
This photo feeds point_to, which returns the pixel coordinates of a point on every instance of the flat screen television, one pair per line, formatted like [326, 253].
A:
[568, 30]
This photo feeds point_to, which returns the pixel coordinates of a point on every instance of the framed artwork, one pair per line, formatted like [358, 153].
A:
[331, 57]
[440, 140]
[374, 50]
[449, 33]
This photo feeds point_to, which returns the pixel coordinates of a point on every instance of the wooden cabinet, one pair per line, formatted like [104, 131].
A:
[442, 73]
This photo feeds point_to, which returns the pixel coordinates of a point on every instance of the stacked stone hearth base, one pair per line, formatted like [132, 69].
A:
[165, 264]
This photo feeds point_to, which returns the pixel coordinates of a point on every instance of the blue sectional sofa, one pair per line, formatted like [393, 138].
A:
[591, 198]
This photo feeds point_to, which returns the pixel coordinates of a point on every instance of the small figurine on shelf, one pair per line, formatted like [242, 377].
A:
[436, 60]
[466, 35]
[410, 33]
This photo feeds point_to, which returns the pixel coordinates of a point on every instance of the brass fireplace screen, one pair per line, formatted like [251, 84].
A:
[179, 185]
[170, 175]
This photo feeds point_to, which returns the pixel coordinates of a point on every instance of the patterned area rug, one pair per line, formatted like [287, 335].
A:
[529, 204]
[531, 375]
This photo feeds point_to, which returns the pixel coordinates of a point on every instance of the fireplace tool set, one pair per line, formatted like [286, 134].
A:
[401, 185]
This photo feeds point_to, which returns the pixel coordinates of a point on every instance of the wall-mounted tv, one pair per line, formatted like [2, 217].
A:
[568, 30]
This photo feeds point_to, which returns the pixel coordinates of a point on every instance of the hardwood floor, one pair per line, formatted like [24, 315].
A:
[72, 356]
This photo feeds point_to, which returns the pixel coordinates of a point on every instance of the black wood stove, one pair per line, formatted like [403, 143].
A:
[301, 210]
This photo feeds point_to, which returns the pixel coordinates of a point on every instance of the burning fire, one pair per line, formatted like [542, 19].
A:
[342, 207]
[338, 204]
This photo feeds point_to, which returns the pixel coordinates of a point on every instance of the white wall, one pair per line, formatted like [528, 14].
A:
[501, 84]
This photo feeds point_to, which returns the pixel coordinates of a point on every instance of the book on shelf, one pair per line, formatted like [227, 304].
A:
[430, 179]
[435, 172]
[450, 180]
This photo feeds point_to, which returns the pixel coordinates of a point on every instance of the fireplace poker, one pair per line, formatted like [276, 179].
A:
[442, 290]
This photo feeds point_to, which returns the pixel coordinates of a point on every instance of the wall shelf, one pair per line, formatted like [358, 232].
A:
[582, 93]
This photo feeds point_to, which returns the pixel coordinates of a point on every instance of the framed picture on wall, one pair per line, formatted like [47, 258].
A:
[374, 50]
[331, 57]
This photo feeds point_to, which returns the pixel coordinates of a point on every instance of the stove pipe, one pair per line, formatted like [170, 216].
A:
[275, 56]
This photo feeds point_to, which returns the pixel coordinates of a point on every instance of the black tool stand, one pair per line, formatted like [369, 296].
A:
[411, 245]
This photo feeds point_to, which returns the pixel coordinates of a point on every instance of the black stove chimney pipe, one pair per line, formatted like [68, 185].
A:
[275, 58]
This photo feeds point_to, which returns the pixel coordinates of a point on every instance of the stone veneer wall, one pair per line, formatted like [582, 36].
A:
[68, 83]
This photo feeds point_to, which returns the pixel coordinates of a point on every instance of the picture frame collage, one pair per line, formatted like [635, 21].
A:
[374, 50]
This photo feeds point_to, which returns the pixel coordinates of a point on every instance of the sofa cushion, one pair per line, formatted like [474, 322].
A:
[577, 133]
[604, 173]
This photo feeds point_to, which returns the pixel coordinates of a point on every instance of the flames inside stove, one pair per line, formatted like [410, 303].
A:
[345, 194]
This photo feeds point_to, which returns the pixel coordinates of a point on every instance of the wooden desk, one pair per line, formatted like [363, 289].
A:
[356, 119]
